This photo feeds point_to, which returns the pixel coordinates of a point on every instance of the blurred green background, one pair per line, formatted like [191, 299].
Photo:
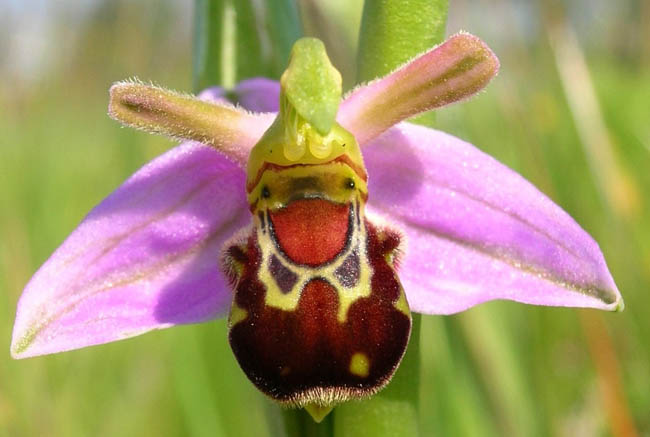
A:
[570, 111]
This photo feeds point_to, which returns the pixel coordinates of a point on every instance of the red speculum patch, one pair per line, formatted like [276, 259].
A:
[311, 231]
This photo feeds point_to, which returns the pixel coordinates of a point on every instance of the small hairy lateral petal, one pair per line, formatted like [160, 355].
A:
[230, 130]
[448, 73]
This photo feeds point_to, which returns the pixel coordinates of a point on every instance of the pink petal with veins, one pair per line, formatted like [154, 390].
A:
[477, 230]
[144, 258]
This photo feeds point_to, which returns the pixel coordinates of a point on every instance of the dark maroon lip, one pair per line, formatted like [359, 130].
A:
[303, 355]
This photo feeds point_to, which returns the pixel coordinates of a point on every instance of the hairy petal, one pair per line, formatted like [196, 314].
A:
[478, 231]
[144, 258]
[450, 72]
[228, 129]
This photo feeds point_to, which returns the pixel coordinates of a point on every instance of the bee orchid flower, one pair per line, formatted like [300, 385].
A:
[451, 224]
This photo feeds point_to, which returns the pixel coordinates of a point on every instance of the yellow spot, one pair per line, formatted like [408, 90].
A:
[237, 314]
[401, 304]
[360, 364]
[318, 412]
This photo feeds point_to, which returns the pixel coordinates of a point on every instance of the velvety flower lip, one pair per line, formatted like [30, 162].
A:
[147, 256]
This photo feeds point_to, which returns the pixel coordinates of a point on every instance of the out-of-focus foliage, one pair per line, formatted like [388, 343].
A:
[499, 369]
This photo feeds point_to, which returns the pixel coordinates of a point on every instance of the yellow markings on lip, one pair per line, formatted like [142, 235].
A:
[237, 314]
[347, 296]
[274, 297]
[402, 304]
[360, 365]
[289, 301]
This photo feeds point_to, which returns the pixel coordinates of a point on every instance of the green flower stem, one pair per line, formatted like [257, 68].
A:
[239, 39]
[395, 31]
[210, 39]
[392, 32]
